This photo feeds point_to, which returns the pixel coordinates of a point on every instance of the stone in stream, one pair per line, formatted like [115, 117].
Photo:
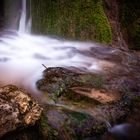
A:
[17, 109]
[90, 95]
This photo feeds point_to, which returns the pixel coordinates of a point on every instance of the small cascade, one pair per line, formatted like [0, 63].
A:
[108, 125]
[24, 24]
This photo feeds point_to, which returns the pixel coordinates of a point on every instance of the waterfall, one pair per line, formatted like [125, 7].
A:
[24, 24]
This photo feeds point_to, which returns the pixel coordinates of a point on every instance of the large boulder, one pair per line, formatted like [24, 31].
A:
[79, 99]
[91, 101]
[17, 109]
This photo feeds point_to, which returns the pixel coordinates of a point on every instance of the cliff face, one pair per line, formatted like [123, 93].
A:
[12, 14]
[1, 13]
[112, 10]
[124, 17]
[82, 20]
[130, 22]
[114, 22]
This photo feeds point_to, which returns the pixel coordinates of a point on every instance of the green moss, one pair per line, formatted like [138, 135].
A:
[46, 131]
[57, 93]
[104, 34]
[75, 19]
[78, 117]
[97, 80]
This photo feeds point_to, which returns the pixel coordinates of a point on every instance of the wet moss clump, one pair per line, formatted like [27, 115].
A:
[82, 20]
[97, 81]
[46, 131]
[78, 117]
[85, 125]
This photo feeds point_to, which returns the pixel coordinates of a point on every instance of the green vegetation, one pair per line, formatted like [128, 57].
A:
[74, 19]
[57, 93]
[97, 80]
[46, 131]
[78, 117]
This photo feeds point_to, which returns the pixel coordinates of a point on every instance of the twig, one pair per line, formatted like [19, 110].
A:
[44, 66]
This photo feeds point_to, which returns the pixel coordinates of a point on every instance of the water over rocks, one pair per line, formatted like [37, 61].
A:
[94, 86]
[78, 104]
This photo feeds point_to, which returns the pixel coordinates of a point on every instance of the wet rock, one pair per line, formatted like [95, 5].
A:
[71, 124]
[46, 131]
[107, 98]
[17, 109]
[56, 81]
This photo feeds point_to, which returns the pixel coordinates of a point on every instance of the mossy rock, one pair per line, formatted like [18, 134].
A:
[94, 89]
[58, 82]
[45, 130]
[82, 20]
[73, 124]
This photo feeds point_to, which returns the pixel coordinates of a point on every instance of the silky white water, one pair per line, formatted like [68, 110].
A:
[24, 22]
[22, 55]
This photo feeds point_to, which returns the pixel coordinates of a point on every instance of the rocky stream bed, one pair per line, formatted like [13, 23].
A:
[76, 104]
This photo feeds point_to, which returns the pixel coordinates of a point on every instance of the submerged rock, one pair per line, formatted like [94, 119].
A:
[17, 109]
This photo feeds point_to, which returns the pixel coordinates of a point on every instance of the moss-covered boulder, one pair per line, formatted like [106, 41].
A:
[84, 20]
[85, 104]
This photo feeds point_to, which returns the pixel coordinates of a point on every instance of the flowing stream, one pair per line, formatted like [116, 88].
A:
[24, 23]
[22, 55]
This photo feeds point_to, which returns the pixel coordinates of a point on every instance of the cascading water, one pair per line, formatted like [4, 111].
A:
[22, 55]
[24, 24]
